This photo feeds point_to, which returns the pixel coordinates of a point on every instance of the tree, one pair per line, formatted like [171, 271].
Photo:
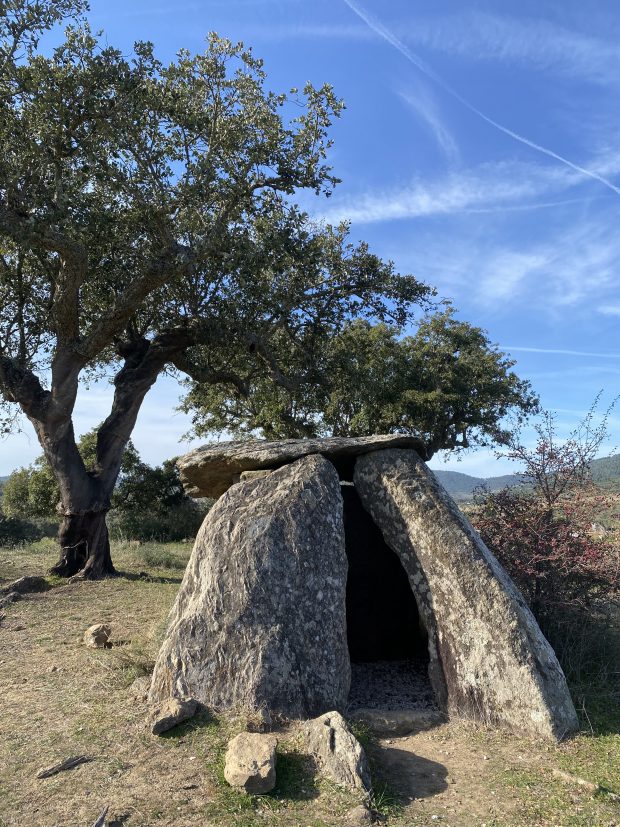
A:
[541, 531]
[34, 493]
[446, 384]
[147, 226]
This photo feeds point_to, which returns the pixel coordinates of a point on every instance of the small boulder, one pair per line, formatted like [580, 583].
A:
[251, 762]
[24, 585]
[359, 816]
[171, 713]
[9, 597]
[97, 636]
[139, 689]
[337, 751]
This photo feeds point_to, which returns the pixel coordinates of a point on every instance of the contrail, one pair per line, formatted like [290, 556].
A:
[561, 352]
[391, 38]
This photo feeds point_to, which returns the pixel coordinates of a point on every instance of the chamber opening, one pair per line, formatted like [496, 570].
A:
[388, 644]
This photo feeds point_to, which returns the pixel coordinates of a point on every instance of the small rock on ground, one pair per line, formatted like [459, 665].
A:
[359, 816]
[251, 762]
[139, 689]
[172, 712]
[97, 636]
[337, 750]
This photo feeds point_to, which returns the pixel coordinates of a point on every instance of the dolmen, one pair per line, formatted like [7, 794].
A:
[275, 602]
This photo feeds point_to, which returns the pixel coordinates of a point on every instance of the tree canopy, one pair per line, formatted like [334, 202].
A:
[147, 224]
[446, 384]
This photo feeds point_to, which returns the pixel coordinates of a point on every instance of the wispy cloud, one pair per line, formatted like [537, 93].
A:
[490, 188]
[609, 309]
[391, 38]
[537, 43]
[420, 100]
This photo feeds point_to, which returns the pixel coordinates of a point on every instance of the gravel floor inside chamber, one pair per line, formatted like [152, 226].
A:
[397, 684]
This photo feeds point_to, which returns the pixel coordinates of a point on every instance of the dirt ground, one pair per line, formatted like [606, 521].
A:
[60, 699]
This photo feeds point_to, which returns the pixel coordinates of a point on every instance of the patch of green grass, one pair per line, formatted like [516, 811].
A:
[159, 555]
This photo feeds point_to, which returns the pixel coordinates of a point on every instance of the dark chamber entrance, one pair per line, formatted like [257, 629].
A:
[388, 645]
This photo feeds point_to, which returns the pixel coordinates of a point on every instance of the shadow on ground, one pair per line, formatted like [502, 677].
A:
[410, 775]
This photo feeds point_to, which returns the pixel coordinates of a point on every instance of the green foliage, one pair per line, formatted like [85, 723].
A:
[150, 504]
[446, 384]
[31, 493]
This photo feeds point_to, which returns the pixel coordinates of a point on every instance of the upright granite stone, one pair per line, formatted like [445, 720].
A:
[210, 470]
[489, 659]
[259, 622]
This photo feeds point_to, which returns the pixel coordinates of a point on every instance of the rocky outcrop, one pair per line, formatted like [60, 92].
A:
[337, 751]
[211, 470]
[250, 763]
[489, 659]
[259, 622]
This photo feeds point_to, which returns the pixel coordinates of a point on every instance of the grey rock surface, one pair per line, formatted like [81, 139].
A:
[209, 471]
[489, 659]
[337, 751]
[171, 713]
[259, 622]
[250, 763]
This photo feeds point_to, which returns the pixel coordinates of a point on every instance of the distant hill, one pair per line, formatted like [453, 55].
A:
[462, 486]
[606, 469]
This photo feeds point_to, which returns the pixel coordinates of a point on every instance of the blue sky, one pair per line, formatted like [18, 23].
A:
[479, 150]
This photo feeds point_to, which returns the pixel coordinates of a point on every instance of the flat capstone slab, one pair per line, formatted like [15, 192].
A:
[210, 470]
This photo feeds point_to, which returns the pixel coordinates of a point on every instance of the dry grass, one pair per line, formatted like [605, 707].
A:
[60, 699]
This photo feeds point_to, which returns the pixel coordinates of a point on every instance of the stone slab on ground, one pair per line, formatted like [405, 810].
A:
[250, 763]
[210, 470]
[395, 723]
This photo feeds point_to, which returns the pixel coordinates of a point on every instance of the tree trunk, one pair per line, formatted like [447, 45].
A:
[85, 546]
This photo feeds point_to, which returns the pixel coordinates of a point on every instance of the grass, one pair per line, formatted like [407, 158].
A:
[61, 699]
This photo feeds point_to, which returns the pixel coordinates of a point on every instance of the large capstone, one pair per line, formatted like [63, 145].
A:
[489, 659]
[209, 471]
[259, 622]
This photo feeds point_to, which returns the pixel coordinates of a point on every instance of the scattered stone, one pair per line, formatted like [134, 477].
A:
[488, 658]
[209, 471]
[139, 689]
[396, 723]
[359, 816]
[25, 585]
[337, 751]
[53, 669]
[171, 713]
[260, 619]
[251, 762]
[97, 636]
[10, 597]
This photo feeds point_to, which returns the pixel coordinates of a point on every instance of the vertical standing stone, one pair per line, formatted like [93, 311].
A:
[489, 659]
[259, 622]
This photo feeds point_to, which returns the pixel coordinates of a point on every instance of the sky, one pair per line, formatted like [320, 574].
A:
[478, 150]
